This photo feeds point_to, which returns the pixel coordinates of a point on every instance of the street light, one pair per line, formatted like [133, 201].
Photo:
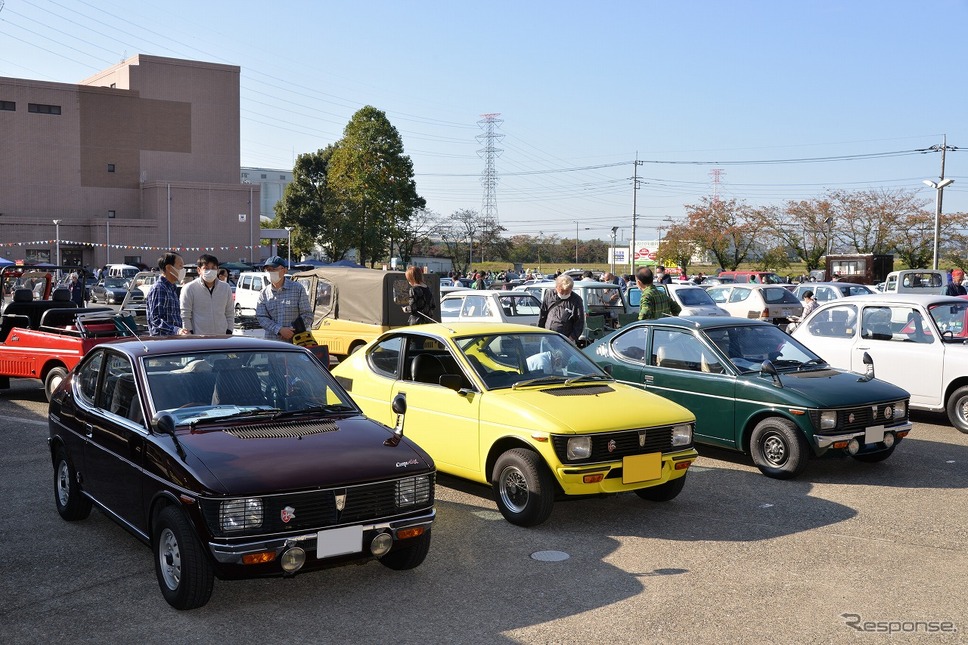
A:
[829, 221]
[939, 187]
[107, 225]
[614, 229]
[289, 246]
[57, 235]
[576, 242]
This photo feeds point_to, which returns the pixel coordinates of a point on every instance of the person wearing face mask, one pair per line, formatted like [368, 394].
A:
[163, 309]
[562, 310]
[281, 303]
[206, 301]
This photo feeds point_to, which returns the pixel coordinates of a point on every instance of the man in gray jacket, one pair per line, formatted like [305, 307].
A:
[207, 306]
[562, 310]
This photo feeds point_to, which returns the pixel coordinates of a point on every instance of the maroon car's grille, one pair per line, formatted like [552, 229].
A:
[610, 446]
[314, 510]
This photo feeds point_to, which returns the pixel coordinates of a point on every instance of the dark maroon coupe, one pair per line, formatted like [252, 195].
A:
[234, 458]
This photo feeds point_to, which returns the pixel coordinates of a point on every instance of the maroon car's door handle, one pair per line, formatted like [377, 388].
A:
[89, 430]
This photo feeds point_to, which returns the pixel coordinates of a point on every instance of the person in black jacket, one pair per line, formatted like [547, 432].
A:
[421, 305]
[562, 310]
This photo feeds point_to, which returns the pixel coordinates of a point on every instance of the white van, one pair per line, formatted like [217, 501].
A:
[247, 291]
[125, 271]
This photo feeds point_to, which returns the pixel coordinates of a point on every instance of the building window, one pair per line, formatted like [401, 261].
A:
[245, 175]
[263, 176]
[112, 214]
[40, 108]
[10, 106]
[110, 167]
[282, 177]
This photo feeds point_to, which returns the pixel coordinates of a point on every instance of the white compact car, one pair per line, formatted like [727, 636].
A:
[475, 305]
[917, 342]
[772, 303]
[693, 299]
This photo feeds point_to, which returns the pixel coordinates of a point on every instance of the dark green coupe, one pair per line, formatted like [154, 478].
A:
[755, 389]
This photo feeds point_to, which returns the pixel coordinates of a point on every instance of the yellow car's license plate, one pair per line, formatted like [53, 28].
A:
[641, 468]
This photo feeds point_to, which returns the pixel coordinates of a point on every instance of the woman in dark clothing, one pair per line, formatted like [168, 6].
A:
[421, 304]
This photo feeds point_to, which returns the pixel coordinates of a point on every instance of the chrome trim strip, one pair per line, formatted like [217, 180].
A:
[232, 553]
[824, 441]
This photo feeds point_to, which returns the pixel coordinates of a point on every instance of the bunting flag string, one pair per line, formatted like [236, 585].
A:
[72, 243]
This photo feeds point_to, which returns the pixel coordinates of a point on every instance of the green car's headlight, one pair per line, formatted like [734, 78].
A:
[682, 434]
[828, 419]
[579, 448]
[240, 514]
[413, 490]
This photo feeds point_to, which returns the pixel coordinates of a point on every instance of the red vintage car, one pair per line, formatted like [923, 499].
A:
[43, 334]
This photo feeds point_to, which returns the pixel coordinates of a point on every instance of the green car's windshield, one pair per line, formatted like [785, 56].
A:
[528, 359]
[196, 387]
[747, 346]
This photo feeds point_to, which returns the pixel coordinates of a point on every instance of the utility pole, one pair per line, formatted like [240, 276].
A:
[635, 190]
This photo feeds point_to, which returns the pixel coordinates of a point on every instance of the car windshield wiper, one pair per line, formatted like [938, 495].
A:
[587, 377]
[813, 361]
[315, 409]
[257, 412]
[542, 380]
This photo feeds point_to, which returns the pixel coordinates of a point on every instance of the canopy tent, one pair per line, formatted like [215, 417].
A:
[4, 262]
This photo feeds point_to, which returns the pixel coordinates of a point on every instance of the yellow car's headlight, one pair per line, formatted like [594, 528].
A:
[682, 434]
[579, 448]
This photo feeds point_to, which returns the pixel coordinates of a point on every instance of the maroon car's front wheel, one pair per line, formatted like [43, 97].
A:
[184, 573]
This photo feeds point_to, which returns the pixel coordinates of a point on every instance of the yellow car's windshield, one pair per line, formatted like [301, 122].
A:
[515, 359]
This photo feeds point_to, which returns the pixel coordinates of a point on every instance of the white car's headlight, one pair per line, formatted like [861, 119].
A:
[240, 514]
[579, 448]
[413, 490]
[682, 434]
[828, 419]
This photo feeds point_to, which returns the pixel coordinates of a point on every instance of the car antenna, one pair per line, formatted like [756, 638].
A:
[440, 322]
[119, 319]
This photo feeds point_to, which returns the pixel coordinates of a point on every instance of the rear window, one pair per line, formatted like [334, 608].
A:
[778, 296]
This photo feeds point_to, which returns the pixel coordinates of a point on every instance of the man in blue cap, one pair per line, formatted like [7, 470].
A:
[281, 303]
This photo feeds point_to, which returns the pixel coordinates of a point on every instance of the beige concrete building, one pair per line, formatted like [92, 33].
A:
[134, 160]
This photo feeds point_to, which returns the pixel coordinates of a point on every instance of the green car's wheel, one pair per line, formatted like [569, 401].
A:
[778, 448]
[523, 487]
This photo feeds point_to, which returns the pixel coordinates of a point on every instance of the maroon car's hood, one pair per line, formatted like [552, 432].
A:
[256, 458]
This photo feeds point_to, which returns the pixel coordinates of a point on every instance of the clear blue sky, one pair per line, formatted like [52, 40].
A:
[582, 88]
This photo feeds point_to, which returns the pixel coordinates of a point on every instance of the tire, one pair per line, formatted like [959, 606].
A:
[664, 492]
[957, 409]
[409, 557]
[184, 573]
[874, 457]
[71, 503]
[53, 379]
[523, 487]
[355, 346]
[778, 449]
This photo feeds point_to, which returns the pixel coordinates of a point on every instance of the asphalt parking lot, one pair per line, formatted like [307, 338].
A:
[850, 552]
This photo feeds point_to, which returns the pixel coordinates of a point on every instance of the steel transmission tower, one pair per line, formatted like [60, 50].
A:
[490, 152]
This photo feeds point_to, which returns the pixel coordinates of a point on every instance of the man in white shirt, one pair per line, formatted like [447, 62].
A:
[206, 302]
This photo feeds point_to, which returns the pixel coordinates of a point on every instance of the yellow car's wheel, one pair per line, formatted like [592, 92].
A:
[523, 487]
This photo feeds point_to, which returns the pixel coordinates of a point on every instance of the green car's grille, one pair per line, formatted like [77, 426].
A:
[858, 418]
[315, 510]
[609, 446]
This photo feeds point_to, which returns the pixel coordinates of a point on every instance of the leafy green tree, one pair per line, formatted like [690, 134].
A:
[373, 181]
[309, 206]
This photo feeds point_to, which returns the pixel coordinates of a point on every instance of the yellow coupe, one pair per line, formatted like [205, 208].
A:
[524, 410]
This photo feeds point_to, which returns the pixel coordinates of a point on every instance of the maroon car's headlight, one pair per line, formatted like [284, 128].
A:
[240, 514]
[413, 490]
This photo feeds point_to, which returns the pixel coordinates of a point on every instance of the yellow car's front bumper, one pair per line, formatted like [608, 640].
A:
[610, 477]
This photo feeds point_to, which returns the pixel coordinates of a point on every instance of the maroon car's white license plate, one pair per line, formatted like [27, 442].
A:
[331, 542]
